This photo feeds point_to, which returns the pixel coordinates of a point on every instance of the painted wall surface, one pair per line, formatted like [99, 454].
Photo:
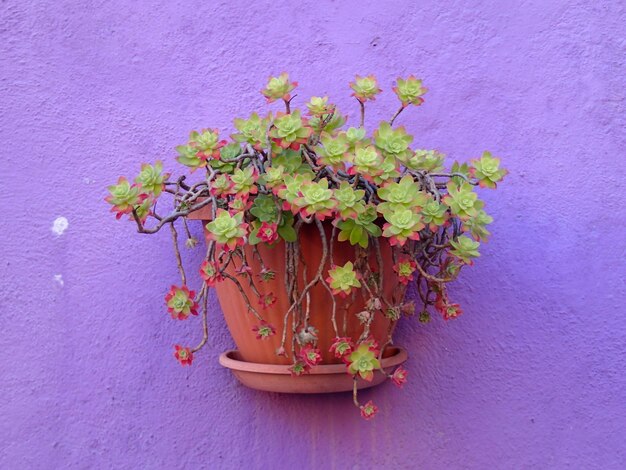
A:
[531, 376]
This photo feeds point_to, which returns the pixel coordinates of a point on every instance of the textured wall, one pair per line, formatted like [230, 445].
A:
[531, 376]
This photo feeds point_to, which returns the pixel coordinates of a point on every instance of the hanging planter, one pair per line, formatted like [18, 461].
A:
[313, 235]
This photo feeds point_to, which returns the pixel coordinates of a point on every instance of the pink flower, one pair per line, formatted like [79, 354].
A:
[399, 376]
[183, 355]
[264, 330]
[268, 232]
[311, 356]
[369, 410]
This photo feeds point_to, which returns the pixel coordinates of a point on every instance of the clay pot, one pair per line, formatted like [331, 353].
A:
[240, 322]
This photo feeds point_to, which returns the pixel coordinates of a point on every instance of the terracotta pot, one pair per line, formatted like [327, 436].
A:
[240, 322]
[325, 378]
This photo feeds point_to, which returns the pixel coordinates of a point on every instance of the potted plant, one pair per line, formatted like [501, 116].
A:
[314, 232]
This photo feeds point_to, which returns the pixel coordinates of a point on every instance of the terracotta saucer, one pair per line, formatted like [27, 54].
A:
[327, 378]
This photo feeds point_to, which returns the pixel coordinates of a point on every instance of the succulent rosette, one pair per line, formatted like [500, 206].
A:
[123, 196]
[363, 361]
[211, 273]
[462, 200]
[227, 230]
[342, 279]
[369, 410]
[402, 225]
[465, 249]
[342, 347]
[365, 88]
[279, 88]
[393, 142]
[367, 162]
[405, 269]
[244, 182]
[267, 300]
[404, 194]
[290, 130]
[410, 91]
[221, 185]
[264, 330]
[181, 302]
[316, 199]
[434, 214]
[399, 376]
[334, 151]
[183, 355]
[152, 179]
[487, 170]
[299, 368]
[349, 201]
[319, 106]
[252, 130]
[310, 355]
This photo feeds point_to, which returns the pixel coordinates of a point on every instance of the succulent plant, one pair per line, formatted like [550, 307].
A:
[316, 200]
[264, 330]
[252, 130]
[365, 88]
[349, 201]
[319, 106]
[399, 376]
[152, 179]
[357, 230]
[461, 200]
[290, 130]
[334, 150]
[405, 269]
[369, 410]
[410, 91]
[181, 302]
[244, 181]
[404, 194]
[123, 196]
[487, 170]
[402, 225]
[342, 279]
[210, 272]
[363, 361]
[367, 162]
[310, 355]
[183, 355]
[393, 142]
[227, 230]
[341, 347]
[206, 143]
[465, 249]
[279, 88]
[283, 180]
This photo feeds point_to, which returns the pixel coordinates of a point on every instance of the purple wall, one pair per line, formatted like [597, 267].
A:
[531, 376]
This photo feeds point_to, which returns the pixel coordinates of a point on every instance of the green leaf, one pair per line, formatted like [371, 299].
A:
[287, 233]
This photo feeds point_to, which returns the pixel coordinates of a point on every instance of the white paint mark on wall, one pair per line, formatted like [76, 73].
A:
[59, 226]
[58, 278]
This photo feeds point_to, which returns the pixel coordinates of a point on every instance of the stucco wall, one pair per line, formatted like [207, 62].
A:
[531, 376]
